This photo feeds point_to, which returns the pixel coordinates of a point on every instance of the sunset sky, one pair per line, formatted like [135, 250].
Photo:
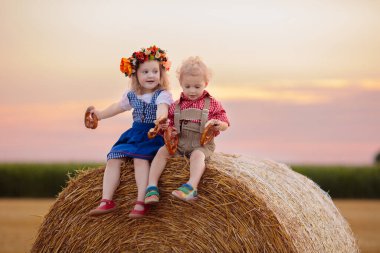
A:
[300, 80]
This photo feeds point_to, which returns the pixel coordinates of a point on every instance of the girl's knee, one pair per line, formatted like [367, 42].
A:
[140, 162]
[114, 163]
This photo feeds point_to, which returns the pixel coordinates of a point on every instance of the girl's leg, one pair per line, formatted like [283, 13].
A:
[141, 176]
[197, 167]
[158, 166]
[111, 178]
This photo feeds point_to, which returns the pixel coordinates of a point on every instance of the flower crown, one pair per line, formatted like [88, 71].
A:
[129, 65]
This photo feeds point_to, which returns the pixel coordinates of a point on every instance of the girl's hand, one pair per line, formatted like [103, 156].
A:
[157, 128]
[164, 125]
[90, 118]
[96, 113]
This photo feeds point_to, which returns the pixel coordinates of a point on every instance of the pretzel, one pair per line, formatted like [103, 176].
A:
[171, 142]
[90, 119]
[154, 131]
[208, 134]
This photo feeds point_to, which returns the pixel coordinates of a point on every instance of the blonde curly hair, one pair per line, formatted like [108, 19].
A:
[194, 66]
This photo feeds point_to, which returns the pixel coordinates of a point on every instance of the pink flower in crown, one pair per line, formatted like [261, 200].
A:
[167, 64]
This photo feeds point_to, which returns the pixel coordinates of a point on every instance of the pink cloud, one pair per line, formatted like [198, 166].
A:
[343, 130]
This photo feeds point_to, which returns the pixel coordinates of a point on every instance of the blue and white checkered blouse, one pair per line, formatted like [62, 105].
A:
[143, 112]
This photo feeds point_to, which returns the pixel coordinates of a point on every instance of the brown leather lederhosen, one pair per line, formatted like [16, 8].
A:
[190, 132]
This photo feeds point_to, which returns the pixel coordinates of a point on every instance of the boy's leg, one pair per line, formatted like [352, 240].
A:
[111, 179]
[188, 191]
[158, 166]
[141, 175]
[152, 195]
[197, 167]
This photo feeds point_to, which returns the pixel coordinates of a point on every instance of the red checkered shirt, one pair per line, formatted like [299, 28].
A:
[216, 110]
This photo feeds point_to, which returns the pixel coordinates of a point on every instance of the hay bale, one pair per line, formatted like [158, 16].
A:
[245, 205]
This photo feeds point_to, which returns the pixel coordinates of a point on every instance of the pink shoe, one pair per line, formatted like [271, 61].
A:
[139, 213]
[107, 208]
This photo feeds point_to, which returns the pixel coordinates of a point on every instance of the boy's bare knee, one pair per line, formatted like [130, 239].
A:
[197, 155]
[163, 152]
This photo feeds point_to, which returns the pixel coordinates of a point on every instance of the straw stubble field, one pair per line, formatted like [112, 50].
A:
[20, 219]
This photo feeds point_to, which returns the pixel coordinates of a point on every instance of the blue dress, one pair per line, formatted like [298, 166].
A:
[134, 142]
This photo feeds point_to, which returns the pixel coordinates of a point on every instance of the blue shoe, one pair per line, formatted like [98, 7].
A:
[152, 195]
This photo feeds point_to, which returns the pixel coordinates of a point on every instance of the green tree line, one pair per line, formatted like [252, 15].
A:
[47, 180]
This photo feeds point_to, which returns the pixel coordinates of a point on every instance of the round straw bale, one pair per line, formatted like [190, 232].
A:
[244, 205]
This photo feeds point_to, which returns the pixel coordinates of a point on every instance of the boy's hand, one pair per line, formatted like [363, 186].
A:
[215, 123]
[218, 125]
[174, 132]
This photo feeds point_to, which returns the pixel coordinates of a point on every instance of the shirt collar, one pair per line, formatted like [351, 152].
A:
[205, 94]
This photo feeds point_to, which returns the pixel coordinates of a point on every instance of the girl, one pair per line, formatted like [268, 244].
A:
[149, 99]
[195, 109]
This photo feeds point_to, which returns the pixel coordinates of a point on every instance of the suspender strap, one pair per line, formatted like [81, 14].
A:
[205, 113]
[177, 114]
[155, 96]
